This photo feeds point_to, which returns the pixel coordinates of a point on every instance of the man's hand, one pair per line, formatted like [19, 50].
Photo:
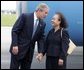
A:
[39, 56]
[15, 50]
[60, 62]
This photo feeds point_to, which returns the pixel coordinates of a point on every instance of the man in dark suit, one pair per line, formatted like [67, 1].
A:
[28, 29]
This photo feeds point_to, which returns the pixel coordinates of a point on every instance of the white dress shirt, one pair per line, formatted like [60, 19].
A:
[35, 24]
[35, 18]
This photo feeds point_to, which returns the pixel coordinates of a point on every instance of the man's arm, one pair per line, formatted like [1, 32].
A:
[40, 41]
[15, 31]
[41, 45]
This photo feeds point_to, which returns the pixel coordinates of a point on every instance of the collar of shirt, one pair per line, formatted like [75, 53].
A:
[35, 18]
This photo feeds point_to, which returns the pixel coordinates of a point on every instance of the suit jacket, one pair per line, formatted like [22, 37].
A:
[22, 34]
[55, 45]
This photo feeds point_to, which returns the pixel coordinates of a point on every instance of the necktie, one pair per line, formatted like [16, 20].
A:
[35, 27]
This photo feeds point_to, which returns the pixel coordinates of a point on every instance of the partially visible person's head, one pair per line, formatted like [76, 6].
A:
[42, 10]
[59, 20]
